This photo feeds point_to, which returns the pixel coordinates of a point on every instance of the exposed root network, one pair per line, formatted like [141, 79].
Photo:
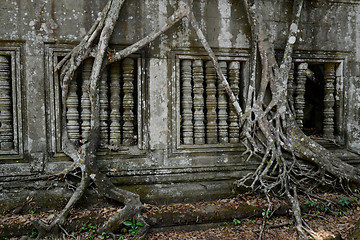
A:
[290, 161]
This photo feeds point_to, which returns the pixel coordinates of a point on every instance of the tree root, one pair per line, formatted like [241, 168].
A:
[133, 206]
[44, 229]
[84, 156]
[268, 125]
[290, 159]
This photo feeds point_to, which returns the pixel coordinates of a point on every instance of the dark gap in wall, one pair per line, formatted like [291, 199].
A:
[314, 100]
[205, 97]
[135, 94]
[181, 107]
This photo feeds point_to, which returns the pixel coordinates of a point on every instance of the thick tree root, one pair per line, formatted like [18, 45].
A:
[268, 125]
[290, 159]
[132, 206]
[85, 155]
[44, 229]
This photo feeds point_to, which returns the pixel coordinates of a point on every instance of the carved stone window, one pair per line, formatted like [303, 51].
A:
[206, 117]
[118, 103]
[10, 102]
[316, 89]
[120, 93]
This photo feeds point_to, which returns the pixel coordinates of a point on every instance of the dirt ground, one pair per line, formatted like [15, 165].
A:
[325, 228]
[333, 220]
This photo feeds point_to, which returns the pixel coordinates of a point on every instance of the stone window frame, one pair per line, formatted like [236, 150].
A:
[175, 147]
[340, 59]
[52, 52]
[13, 51]
[312, 57]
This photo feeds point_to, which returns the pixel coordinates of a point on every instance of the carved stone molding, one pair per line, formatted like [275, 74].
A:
[211, 104]
[300, 93]
[206, 115]
[104, 107]
[85, 100]
[234, 80]
[329, 78]
[115, 104]
[120, 91]
[199, 127]
[187, 102]
[72, 113]
[329, 100]
[128, 101]
[6, 118]
[11, 138]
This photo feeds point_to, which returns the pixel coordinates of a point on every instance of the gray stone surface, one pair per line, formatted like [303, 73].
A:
[42, 29]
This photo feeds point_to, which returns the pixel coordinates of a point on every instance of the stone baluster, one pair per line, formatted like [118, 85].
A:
[290, 86]
[115, 103]
[85, 100]
[6, 127]
[222, 107]
[128, 101]
[199, 126]
[300, 93]
[329, 100]
[211, 104]
[104, 105]
[234, 78]
[186, 102]
[72, 113]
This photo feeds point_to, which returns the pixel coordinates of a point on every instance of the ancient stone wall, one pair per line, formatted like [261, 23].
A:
[178, 133]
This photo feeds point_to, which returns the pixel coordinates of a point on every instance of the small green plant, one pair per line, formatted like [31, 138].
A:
[92, 233]
[33, 233]
[310, 204]
[83, 229]
[236, 221]
[338, 212]
[312, 214]
[134, 226]
[315, 212]
[123, 230]
[104, 236]
[252, 221]
[345, 202]
[326, 208]
[89, 228]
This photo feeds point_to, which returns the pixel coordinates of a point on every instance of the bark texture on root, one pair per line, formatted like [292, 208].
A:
[95, 45]
[84, 156]
[291, 161]
[268, 124]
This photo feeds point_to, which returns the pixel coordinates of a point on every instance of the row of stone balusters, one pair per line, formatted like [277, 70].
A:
[207, 117]
[329, 95]
[6, 116]
[117, 104]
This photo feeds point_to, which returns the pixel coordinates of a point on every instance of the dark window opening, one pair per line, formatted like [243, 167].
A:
[314, 101]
